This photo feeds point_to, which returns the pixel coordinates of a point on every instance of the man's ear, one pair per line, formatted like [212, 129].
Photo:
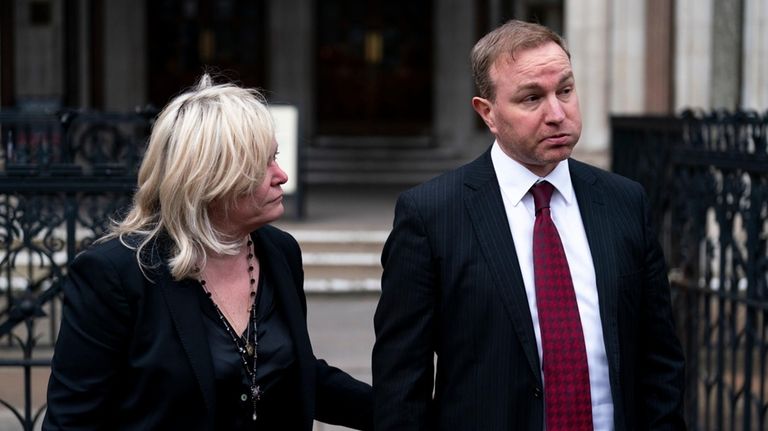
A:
[483, 107]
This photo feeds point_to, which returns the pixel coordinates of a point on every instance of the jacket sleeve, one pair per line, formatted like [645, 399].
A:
[403, 354]
[339, 398]
[94, 329]
[661, 362]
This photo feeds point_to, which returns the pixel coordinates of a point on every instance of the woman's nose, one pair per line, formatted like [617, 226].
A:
[279, 176]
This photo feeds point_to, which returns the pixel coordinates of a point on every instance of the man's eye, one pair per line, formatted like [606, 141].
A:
[530, 98]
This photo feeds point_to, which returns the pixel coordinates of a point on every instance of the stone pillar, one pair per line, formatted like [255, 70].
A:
[754, 91]
[125, 56]
[84, 35]
[659, 50]
[38, 57]
[7, 47]
[291, 59]
[693, 42]
[453, 117]
[627, 59]
[587, 33]
[726, 54]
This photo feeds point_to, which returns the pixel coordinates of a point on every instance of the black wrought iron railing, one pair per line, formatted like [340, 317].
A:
[707, 178]
[63, 177]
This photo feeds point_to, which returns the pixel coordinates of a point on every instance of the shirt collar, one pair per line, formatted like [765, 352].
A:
[516, 180]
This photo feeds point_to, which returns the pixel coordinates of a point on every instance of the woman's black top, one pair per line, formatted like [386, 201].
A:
[276, 371]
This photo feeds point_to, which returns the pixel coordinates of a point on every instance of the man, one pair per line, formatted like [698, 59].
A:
[546, 307]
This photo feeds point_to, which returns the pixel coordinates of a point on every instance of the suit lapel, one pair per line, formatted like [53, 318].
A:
[184, 307]
[600, 235]
[272, 260]
[183, 303]
[486, 210]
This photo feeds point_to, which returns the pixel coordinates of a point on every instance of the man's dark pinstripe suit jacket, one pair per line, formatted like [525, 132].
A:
[452, 287]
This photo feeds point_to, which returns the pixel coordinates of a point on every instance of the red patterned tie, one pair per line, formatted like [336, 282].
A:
[567, 400]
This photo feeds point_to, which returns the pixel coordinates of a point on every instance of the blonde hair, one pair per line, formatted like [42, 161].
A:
[509, 38]
[211, 143]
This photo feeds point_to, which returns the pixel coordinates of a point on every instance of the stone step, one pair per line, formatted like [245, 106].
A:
[341, 261]
[340, 241]
[339, 160]
[341, 271]
[340, 248]
[339, 236]
[335, 260]
[341, 285]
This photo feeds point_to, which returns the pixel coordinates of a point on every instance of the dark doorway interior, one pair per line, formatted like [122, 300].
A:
[187, 37]
[374, 67]
[7, 55]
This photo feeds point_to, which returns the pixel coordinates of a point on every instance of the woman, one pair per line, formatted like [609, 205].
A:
[191, 314]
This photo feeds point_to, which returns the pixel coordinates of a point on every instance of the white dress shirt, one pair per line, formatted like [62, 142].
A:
[515, 181]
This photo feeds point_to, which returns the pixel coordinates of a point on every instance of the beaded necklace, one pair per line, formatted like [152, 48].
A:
[247, 347]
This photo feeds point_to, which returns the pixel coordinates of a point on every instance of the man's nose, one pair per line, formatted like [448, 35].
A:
[555, 111]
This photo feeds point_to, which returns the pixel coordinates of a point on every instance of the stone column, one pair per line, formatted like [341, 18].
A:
[726, 54]
[84, 34]
[693, 42]
[125, 57]
[38, 56]
[754, 90]
[627, 60]
[587, 33]
[453, 117]
[7, 29]
[659, 50]
[291, 59]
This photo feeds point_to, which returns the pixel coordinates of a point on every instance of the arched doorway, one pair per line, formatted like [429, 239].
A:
[374, 67]
[186, 37]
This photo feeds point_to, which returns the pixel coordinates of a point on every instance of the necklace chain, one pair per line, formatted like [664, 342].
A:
[248, 348]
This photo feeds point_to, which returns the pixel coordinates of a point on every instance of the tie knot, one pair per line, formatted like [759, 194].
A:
[542, 193]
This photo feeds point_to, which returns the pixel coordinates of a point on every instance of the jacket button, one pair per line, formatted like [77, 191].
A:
[243, 397]
[537, 392]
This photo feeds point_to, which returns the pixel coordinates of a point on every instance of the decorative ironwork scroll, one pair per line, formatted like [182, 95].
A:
[712, 211]
[63, 178]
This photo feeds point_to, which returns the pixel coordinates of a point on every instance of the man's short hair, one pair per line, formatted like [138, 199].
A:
[509, 38]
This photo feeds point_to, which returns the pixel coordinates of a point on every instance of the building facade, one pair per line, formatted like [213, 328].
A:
[383, 88]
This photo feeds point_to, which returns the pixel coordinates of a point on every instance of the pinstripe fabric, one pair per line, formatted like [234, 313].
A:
[455, 348]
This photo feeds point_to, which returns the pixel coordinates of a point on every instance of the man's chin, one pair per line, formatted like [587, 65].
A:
[557, 155]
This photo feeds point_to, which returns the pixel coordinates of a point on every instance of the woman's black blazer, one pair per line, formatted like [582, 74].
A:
[132, 350]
